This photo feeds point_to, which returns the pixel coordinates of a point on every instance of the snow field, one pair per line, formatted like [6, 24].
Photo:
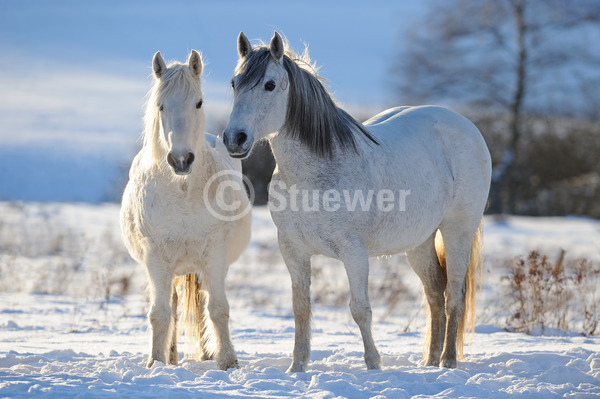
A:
[76, 336]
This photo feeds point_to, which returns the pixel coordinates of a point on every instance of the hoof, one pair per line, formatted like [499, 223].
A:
[151, 362]
[432, 362]
[373, 362]
[298, 367]
[228, 364]
[449, 364]
[174, 360]
[374, 365]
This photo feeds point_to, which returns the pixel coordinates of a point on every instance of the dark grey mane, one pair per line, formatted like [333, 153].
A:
[312, 116]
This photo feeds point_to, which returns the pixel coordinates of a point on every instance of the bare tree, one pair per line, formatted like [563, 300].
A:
[518, 57]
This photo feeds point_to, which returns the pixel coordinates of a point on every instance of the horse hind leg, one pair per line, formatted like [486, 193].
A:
[206, 333]
[195, 318]
[463, 264]
[425, 263]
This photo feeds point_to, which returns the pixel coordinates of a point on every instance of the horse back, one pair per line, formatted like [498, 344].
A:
[435, 155]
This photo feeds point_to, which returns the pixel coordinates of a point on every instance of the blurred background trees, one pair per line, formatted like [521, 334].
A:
[527, 72]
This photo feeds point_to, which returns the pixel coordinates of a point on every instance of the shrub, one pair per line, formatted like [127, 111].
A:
[561, 294]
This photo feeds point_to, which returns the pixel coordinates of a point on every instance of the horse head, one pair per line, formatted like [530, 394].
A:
[261, 87]
[178, 101]
[275, 91]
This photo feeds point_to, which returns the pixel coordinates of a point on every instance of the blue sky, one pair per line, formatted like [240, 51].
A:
[74, 74]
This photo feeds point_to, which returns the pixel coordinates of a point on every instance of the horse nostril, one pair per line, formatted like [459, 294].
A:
[190, 158]
[241, 138]
[170, 160]
[182, 163]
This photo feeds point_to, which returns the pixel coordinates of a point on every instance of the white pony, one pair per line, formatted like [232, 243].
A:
[414, 171]
[171, 217]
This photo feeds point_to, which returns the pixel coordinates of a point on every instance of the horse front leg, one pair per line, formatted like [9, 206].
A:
[298, 265]
[356, 262]
[160, 314]
[218, 310]
[173, 355]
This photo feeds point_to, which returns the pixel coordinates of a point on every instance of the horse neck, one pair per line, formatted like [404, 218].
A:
[204, 167]
[295, 162]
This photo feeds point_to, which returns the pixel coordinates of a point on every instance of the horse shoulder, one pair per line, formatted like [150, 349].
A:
[211, 139]
[223, 158]
[133, 215]
[225, 167]
[235, 233]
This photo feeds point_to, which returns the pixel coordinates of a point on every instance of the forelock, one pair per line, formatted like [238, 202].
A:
[312, 115]
[177, 76]
[252, 68]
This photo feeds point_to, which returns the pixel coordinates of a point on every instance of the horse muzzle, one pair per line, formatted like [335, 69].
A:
[238, 144]
[181, 164]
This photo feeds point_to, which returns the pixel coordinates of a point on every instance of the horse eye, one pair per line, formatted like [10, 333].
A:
[270, 85]
[198, 104]
[232, 84]
[160, 107]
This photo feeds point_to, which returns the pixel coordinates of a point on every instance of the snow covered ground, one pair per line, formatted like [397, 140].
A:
[72, 305]
[65, 330]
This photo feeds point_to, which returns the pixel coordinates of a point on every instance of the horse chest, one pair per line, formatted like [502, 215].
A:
[307, 231]
[174, 222]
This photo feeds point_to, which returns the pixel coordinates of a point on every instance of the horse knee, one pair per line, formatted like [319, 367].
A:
[159, 315]
[361, 312]
[218, 310]
[455, 294]
[301, 306]
[436, 299]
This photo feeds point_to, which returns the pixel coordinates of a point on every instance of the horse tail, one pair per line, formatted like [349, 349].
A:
[466, 323]
[194, 316]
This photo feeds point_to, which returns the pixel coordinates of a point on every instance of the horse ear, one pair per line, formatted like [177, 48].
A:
[244, 46]
[158, 65]
[195, 63]
[276, 47]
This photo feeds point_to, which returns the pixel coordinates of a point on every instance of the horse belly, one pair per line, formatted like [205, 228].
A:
[396, 236]
[407, 228]
[383, 232]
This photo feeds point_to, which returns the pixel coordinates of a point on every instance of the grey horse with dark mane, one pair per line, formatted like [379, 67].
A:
[410, 179]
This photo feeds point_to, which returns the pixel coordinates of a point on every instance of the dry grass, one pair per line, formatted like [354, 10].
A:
[560, 294]
[40, 253]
